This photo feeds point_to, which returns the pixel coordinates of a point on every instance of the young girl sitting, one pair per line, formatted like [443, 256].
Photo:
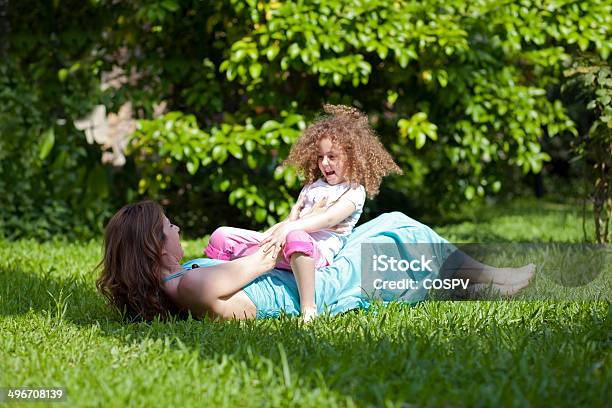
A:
[342, 159]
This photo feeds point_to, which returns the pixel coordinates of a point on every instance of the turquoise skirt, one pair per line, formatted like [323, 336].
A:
[338, 287]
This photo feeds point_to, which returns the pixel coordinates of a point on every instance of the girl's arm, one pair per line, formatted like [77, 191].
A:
[333, 216]
[275, 227]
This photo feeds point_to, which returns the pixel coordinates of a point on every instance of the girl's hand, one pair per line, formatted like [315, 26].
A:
[341, 228]
[297, 208]
[275, 241]
[318, 208]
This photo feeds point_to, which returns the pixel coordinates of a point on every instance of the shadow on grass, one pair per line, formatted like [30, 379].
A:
[69, 297]
[435, 352]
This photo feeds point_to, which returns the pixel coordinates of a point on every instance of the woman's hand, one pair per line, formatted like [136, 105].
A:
[268, 259]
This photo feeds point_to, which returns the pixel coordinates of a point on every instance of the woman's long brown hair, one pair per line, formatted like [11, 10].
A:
[132, 263]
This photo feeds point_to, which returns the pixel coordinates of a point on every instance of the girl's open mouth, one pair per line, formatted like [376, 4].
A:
[329, 173]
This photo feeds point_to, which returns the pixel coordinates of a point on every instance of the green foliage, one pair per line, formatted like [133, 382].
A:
[591, 80]
[172, 150]
[51, 180]
[458, 91]
[471, 76]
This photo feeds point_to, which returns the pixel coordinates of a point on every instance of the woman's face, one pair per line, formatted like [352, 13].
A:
[172, 245]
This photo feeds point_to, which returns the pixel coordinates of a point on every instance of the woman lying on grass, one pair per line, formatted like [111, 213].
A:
[142, 273]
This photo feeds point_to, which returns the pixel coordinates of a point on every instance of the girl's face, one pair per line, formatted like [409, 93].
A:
[172, 245]
[332, 162]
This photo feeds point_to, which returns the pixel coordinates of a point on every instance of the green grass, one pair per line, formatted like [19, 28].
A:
[523, 220]
[56, 331]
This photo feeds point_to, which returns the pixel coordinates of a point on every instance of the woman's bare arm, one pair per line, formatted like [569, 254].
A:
[205, 289]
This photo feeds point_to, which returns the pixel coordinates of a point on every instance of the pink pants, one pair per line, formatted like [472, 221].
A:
[229, 243]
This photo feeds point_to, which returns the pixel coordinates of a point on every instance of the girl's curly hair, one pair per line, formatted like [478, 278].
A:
[367, 161]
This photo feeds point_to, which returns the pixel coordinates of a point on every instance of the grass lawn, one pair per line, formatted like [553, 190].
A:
[55, 331]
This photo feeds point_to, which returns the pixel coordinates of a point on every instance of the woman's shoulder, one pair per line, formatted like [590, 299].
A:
[185, 292]
[192, 290]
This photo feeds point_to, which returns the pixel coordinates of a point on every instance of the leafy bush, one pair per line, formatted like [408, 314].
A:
[52, 182]
[458, 91]
[590, 79]
[240, 162]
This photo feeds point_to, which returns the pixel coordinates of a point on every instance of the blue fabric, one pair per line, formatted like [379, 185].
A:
[338, 286]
